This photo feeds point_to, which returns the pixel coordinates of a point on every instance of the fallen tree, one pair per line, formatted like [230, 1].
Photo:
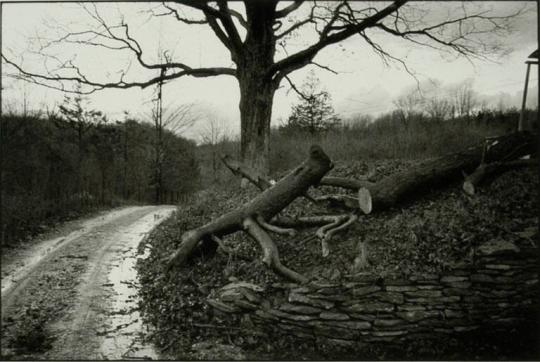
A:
[487, 170]
[417, 180]
[260, 215]
[255, 215]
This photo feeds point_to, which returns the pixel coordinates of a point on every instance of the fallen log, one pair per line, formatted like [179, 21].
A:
[486, 170]
[440, 171]
[263, 207]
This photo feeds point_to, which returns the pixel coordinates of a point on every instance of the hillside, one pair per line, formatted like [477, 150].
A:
[433, 234]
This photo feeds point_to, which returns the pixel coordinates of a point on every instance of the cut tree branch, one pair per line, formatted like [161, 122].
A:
[265, 206]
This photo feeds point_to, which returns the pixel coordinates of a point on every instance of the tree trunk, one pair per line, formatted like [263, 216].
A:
[255, 115]
[256, 86]
[263, 207]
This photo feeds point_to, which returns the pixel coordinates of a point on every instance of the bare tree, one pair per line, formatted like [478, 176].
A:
[212, 135]
[408, 105]
[254, 35]
[464, 98]
[436, 102]
[175, 119]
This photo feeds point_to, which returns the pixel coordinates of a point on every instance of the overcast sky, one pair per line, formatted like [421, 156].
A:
[364, 84]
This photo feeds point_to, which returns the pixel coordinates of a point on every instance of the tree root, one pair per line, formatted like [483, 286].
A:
[263, 208]
[270, 251]
[276, 229]
[325, 233]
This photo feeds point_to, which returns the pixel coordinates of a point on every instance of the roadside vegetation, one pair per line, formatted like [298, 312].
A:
[56, 168]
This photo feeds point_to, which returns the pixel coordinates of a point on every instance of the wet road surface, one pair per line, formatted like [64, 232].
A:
[74, 296]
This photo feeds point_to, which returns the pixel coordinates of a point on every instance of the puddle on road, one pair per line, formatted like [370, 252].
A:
[124, 338]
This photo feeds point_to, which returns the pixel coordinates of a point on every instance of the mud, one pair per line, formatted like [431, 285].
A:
[75, 296]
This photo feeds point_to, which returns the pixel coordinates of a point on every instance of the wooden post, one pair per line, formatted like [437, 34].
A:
[524, 102]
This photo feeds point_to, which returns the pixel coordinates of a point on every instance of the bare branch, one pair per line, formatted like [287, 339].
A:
[179, 17]
[301, 58]
[41, 79]
[324, 67]
[295, 26]
[289, 9]
[298, 91]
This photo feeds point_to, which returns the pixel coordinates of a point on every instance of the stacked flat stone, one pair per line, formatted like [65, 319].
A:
[498, 289]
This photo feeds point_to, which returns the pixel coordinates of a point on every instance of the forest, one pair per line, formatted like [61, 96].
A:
[51, 172]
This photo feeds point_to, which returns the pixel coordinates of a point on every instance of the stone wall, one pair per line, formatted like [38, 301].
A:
[499, 288]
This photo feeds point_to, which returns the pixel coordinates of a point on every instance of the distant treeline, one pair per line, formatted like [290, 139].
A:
[396, 135]
[51, 170]
[391, 135]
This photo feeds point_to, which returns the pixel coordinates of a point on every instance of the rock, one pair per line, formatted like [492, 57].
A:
[389, 333]
[429, 287]
[293, 317]
[472, 299]
[388, 322]
[236, 285]
[482, 278]
[340, 342]
[411, 307]
[362, 317]
[465, 328]
[425, 277]
[400, 288]
[450, 313]
[444, 330]
[503, 293]
[351, 325]
[331, 291]
[434, 300]
[424, 294]
[397, 282]
[494, 247]
[299, 298]
[394, 298]
[334, 316]
[332, 298]
[265, 315]
[457, 291]
[370, 307]
[453, 278]
[459, 285]
[508, 280]
[508, 320]
[299, 309]
[417, 315]
[358, 291]
[498, 266]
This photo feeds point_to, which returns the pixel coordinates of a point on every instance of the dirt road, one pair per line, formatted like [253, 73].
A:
[74, 296]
